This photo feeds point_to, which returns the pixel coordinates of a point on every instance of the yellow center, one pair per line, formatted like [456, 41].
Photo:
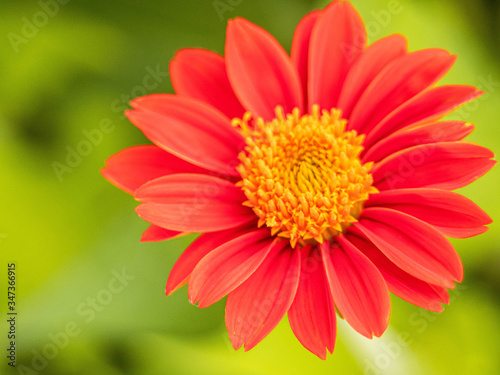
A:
[302, 175]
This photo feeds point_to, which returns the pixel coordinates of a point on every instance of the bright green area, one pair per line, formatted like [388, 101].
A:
[71, 233]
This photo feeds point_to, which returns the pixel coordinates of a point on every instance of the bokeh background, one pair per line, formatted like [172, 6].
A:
[90, 297]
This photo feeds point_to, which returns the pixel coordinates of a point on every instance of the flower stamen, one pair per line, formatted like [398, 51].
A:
[302, 175]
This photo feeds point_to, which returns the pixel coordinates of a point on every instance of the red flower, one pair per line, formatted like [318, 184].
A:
[331, 185]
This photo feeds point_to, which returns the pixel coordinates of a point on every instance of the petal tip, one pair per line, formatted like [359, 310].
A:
[130, 113]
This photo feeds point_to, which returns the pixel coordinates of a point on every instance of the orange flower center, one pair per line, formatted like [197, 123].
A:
[302, 175]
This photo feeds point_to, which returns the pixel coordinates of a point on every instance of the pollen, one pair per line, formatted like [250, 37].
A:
[302, 175]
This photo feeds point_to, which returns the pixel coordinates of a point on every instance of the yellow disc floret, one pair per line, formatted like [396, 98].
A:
[302, 175]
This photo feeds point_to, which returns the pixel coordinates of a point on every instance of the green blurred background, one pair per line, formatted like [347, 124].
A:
[71, 232]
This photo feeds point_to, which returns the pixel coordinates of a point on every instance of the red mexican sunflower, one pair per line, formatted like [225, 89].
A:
[319, 181]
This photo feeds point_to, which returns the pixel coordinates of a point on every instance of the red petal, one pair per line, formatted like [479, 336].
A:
[201, 74]
[443, 165]
[312, 313]
[371, 62]
[451, 213]
[257, 306]
[412, 245]
[300, 48]
[194, 253]
[337, 39]
[401, 283]
[189, 129]
[443, 131]
[134, 166]
[156, 234]
[359, 290]
[228, 266]
[398, 82]
[193, 203]
[260, 70]
[428, 106]
[443, 294]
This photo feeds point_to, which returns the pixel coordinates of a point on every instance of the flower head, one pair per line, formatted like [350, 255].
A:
[319, 181]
